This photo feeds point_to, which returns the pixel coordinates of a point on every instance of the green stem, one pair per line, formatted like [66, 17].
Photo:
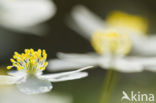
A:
[108, 86]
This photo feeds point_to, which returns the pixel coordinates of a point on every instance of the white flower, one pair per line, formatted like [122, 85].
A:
[86, 23]
[29, 77]
[111, 48]
[23, 14]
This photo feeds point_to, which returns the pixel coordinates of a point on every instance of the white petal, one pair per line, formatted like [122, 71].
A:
[145, 45]
[17, 73]
[128, 66]
[85, 22]
[7, 80]
[148, 62]
[105, 62]
[135, 64]
[74, 55]
[66, 75]
[58, 65]
[71, 61]
[69, 77]
[25, 13]
[34, 85]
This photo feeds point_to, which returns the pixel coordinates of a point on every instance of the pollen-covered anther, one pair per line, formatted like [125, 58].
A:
[9, 67]
[31, 61]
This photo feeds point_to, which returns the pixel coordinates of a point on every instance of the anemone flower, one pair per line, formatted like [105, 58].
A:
[21, 15]
[112, 49]
[86, 23]
[30, 79]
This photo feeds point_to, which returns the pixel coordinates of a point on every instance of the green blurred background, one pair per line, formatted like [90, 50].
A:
[60, 38]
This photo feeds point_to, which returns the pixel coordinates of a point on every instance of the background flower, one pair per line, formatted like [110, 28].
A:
[85, 22]
[111, 49]
[22, 15]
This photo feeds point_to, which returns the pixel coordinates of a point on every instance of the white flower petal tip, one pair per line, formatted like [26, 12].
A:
[82, 17]
[33, 85]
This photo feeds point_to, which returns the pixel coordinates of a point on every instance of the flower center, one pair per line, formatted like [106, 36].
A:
[31, 61]
[111, 43]
[119, 19]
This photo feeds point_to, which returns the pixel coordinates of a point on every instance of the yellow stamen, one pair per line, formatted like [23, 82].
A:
[30, 61]
[111, 43]
[12, 60]
[9, 67]
[134, 23]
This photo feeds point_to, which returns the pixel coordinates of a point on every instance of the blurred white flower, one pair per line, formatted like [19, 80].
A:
[111, 48]
[29, 77]
[12, 95]
[86, 23]
[23, 14]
